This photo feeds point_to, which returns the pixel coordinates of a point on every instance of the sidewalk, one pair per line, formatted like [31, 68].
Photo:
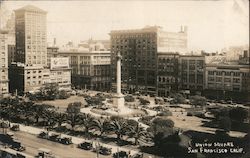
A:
[76, 140]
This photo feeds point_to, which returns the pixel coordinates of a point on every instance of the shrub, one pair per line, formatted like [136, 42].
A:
[146, 120]
[63, 94]
[144, 101]
[129, 98]
[165, 113]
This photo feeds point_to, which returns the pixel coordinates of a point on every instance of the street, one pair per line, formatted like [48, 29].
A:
[32, 144]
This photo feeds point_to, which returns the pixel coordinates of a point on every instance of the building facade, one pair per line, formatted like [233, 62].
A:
[192, 72]
[167, 73]
[31, 35]
[89, 69]
[31, 62]
[11, 54]
[228, 80]
[60, 72]
[4, 81]
[52, 52]
[139, 49]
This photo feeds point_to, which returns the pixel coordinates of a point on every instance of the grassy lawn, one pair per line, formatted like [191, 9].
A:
[63, 103]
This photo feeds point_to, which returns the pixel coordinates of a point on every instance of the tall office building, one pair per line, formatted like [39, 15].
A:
[139, 49]
[31, 38]
[4, 82]
[31, 67]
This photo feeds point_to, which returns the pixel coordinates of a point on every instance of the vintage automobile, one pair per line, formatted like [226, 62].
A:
[85, 146]
[15, 128]
[105, 150]
[43, 135]
[45, 153]
[54, 137]
[121, 154]
[65, 140]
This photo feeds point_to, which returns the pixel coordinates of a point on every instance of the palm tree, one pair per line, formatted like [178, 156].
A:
[101, 124]
[73, 119]
[86, 122]
[138, 133]
[60, 118]
[49, 118]
[119, 127]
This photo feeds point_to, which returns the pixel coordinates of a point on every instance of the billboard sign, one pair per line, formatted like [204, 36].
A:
[60, 62]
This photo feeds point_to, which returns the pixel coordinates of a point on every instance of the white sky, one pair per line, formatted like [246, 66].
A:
[212, 25]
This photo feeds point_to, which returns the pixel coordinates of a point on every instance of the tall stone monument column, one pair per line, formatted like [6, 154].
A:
[118, 99]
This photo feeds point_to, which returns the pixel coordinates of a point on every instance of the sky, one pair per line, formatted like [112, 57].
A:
[212, 25]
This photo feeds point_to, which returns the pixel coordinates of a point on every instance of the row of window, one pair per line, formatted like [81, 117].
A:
[221, 73]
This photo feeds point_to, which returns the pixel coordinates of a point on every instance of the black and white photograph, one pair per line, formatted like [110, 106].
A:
[124, 79]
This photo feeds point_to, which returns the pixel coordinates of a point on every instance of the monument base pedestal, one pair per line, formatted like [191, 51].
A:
[118, 101]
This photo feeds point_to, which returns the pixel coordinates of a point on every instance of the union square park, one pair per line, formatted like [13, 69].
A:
[85, 123]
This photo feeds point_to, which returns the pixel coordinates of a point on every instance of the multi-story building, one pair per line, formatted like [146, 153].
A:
[90, 69]
[11, 54]
[192, 72]
[4, 81]
[60, 72]
[227, 79]
[139, 49]
[27, 78]
[31, 36]
[168, 73]
[52, 52]
[30, 65]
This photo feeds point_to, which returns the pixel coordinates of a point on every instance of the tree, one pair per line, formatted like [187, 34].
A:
[73, 119]
[39, 110]
[60, 118]
[225, 123]
[178, 98]
[101, 124]
[49, 91]
[86, 121]
[74, 108]
[198, 100]
[144, 101]
[138, 133]
[238, 114]
[119, 127]
[161, 128]
[63, 94]
[129, 98]
[96, 100]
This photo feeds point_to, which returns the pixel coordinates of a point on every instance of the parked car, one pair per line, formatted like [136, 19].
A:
[43, 135]
[45, 153]
[85, 146]
[105, 151]
[16, 145]
[15, 128]
[138, 155]
[9, 141]
[121, 154]
[54, 137]
[66, 140]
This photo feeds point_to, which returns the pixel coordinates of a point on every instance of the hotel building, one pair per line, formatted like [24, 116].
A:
[139, 49]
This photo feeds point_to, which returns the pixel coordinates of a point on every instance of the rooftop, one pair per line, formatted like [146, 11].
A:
[30, 8]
